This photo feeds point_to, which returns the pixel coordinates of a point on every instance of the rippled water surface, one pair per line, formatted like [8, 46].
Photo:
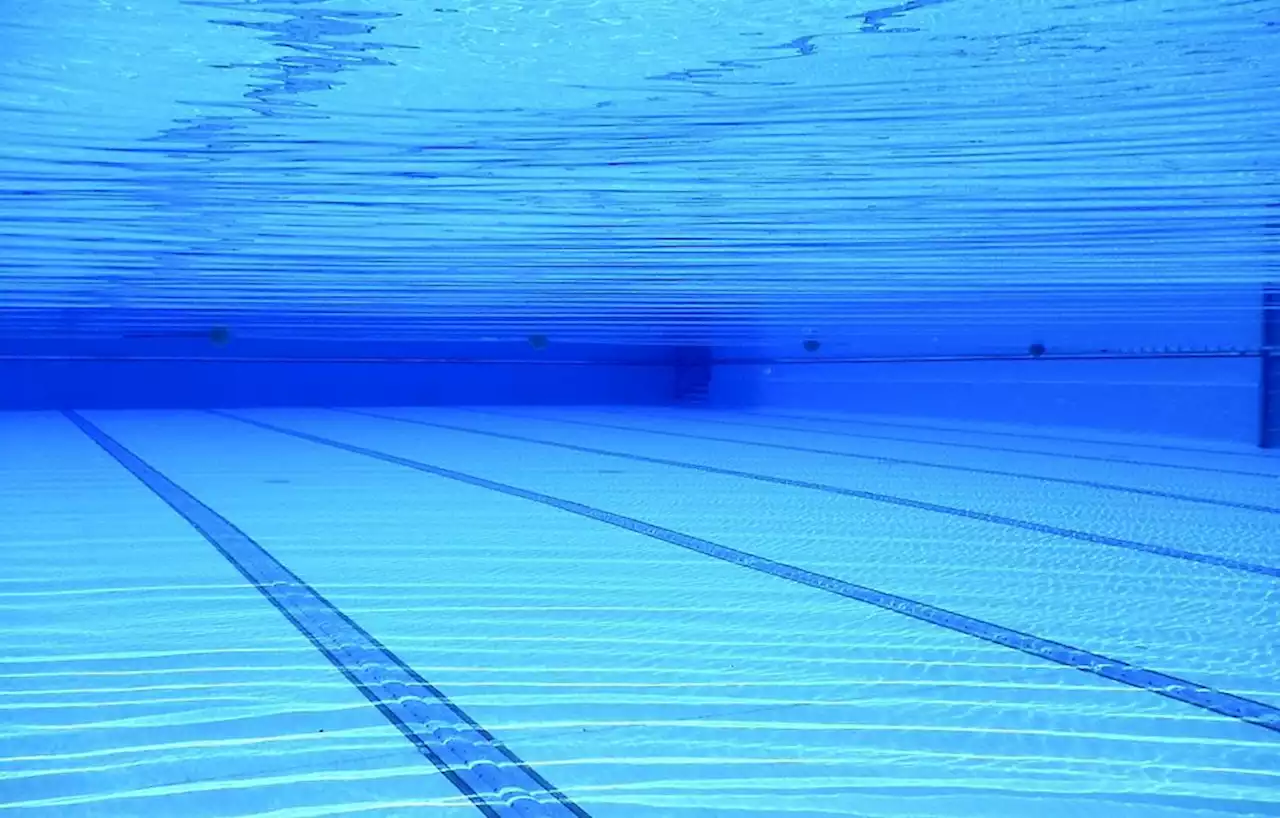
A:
[627, 171]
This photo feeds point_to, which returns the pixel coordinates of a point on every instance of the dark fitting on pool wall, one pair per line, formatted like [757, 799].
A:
[219, 335]
[1036, 350]
[812, 345]
[538, 341]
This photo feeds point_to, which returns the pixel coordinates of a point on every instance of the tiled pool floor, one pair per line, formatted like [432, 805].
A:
[659, 612]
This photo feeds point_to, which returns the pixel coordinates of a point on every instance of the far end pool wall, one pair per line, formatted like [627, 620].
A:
[1195, 398]
[178, 373]
[1133, 373]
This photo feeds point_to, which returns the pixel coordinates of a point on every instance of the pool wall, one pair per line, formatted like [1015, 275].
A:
[188, 373]
[1192, 364]
[1151, 363]
[1196, 398]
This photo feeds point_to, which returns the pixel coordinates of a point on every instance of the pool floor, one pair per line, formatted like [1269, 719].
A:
[631, 612]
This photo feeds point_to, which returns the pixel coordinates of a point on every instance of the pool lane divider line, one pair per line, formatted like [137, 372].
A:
[1171, 687]
[1127, 461]
[486, 771]
[875, 497]
[1131, 444]
[1066, 481]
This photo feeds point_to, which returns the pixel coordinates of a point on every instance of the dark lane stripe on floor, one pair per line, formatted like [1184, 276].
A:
[889, 499]
[1172, 687]
[496, 781]
[1025, 435]
[1067, 481]
[984, 447]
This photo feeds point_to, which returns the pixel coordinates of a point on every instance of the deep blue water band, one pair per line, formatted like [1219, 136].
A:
[889, 499]
[496, 781]
[1172, 687]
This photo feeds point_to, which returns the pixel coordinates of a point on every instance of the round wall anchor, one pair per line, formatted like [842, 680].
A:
[812, 345]
[1036, 350]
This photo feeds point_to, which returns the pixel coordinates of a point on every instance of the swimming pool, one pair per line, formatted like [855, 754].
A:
[632, 612]
[639, 410]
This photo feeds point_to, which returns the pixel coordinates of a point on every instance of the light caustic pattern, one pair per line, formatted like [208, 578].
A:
[608, 170]
[630, 614]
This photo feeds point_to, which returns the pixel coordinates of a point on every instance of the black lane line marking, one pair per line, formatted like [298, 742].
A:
[1206, 698]
[494, 778]
[889, 499]
[1012, 450]
[1131, 444]
[1068, 481]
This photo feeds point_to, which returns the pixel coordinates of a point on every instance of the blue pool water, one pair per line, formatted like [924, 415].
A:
[696, 409]
[605, 171]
